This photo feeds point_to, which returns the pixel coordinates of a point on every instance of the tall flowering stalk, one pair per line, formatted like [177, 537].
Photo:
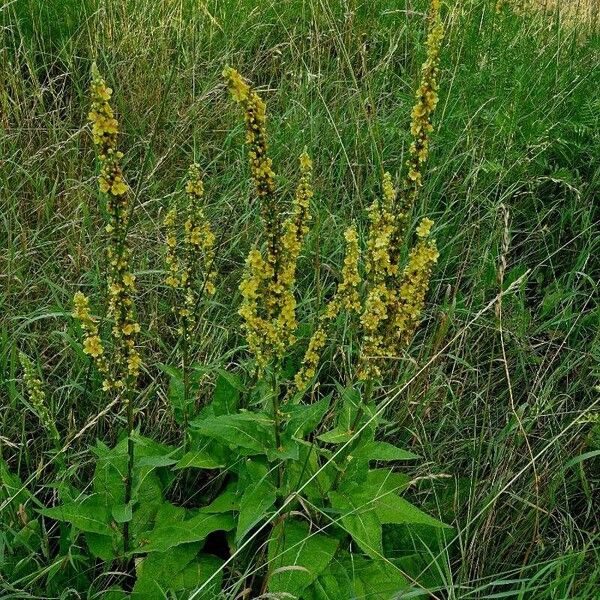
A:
[392, 297]
[269, 306]
[190, 259]
[121, 370]
[391, 292]
[421, 127]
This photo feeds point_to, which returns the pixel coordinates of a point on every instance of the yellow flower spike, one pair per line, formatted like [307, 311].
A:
[414, 284]
[92, 344]
[267, 287]
[261, 171]
[311, 359]
[190, 262]
[120, 281]
[36, 395]
[424, 227]
[426, 101]
[347, 292]
[346, 298]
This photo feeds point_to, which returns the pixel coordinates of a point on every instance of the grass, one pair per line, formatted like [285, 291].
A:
[501, 400]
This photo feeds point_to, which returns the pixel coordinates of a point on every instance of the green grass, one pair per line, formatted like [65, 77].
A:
[501, 405]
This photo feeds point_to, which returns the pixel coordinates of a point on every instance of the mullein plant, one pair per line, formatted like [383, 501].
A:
[190, 256]
[121, 369]
[268, 307]
[392, 295]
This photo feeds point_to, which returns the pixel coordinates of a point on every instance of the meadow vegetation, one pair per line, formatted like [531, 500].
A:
[299, 300]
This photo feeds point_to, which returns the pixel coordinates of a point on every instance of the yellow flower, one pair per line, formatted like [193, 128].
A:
[261, 171]
[346, 297]
[347, 292]
[424, 227]
[192, 258]
[268, 302]
[93, 346]
[426, 98]
[311, 359]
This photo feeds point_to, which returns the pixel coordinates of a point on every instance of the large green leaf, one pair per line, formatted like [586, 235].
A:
[252, 432]
[357, 517]
[155, 572]
[102, 546]
[305, 418]
[354, 576]
[199, 459]
[305, 474]
[390, 508]
[226, 397]
[256, 501]
[337, 435]
[297, 556]
[180, 405]
[206, 568]
[90, 514]
[228, 500]
[196, 529]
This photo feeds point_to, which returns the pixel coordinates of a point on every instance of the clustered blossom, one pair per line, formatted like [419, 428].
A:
[347, 295]
[382, 228]
[194, 257]
[414, 284]
[269, 305]
[261, 165]
[308, 369]
[391, 314]
[421, 127]
[125, 361]
[386, 327]
[294, 230]
[36, 395]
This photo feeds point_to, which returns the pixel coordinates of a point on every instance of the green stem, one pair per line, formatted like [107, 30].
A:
[129, 478]
[186, 381]
[355, 423]
[276, 422]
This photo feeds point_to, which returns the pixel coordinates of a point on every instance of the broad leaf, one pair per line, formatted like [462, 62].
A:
[180, 405]
[102, 546]
[354, 576]
[357, 517]
[203, 574]
[226, 397]
[256, 501]
[199, 459]
[297, 556]
[252, 432]
[155, 572]
[90, 514]
[226, 501]
[196, 529]
[305, 418]
[122, 513]
[390, 508]
[336, 436]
